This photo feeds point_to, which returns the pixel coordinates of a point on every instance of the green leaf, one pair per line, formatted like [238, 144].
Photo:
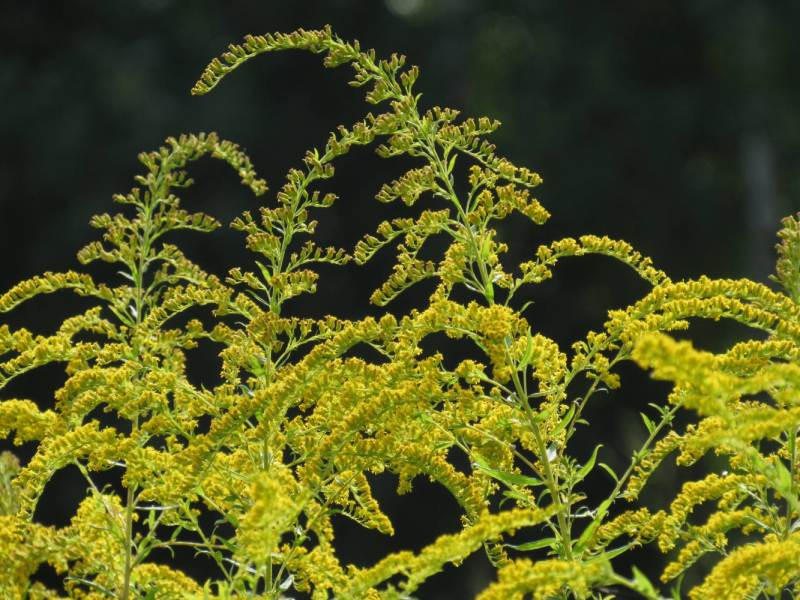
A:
[564, 422]
[648, 423]
[587, 534]
[675, 590]
[505, 477]
[610, 471]
[143, 553]
[230, 547]
[425, 417]
[526, 357]
[605, 556]
[189, 525]
[489, 292]
[543, 415]
[451, 163]
[151, 594]
[485, 248]
[584, 470]
[516, 496]
[662, 410]
[95, 586]
[286, 583]
[603, 508]
[642, 583]
[552, 451]
[231, 518]
[524, 306]
[784, 479]
[175, 533]
[581, 543]
[121, 316]
[545, 543]
[264, 271]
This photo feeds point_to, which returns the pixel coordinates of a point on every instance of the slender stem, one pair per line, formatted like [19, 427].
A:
[145, 241]
[309, 526]
[476, 251]
[126, 584]
[639, 456]
[793, 472]
[550, 478]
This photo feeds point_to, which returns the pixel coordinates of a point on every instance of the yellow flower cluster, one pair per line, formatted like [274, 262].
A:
[292, 436]
[544, 579]
[771, 566]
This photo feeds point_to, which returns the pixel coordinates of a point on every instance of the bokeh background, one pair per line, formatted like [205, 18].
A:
[674, 125]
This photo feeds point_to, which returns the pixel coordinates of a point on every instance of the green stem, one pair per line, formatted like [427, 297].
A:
[473, 242]
[126, 584]
[793, 472]
[550, 478]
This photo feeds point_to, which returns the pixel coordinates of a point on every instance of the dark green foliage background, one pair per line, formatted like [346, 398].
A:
[674, 125]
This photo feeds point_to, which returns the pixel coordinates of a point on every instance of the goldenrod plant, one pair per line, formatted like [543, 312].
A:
[253, 472]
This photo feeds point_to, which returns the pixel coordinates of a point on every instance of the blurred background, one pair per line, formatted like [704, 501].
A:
[674, 125]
